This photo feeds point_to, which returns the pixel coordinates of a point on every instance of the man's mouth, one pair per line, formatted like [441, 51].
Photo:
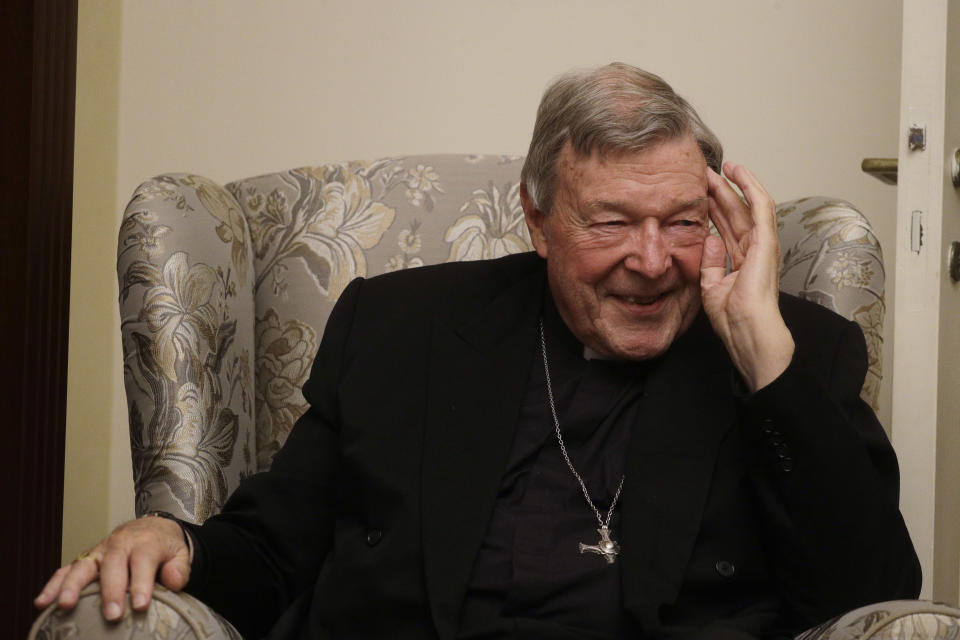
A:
[644, 300]
[647, 301]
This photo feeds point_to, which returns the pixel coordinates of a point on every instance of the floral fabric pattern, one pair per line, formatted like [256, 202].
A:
[284, 355]
[497, 228]
[893, 620]
[831, 256]
[188, 345]
[232, 228]
[326, 218]
[410, 244]
[170, 616]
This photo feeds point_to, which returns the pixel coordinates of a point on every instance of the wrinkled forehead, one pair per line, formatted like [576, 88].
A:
[672, 170]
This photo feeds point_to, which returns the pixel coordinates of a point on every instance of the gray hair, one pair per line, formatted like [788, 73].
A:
[610, 109]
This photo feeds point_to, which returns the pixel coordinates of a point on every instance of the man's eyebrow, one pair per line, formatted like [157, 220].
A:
[691, 204]
[623, 207]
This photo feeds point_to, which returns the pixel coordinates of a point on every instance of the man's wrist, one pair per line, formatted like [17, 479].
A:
[762, 351]
[187, 537]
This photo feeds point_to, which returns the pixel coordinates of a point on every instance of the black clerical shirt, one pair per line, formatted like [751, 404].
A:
[529, 579]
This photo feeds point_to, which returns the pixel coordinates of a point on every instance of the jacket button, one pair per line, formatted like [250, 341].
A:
[726, 568]
[373, 537]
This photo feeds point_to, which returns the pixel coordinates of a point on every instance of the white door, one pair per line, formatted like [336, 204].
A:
[926, 356]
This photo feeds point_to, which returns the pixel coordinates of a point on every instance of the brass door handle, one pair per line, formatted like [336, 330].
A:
[883, 169]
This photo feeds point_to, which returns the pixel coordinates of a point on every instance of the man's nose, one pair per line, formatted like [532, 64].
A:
[647, 253]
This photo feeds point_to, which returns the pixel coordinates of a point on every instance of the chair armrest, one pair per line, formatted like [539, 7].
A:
[170, 616]
[892, 620]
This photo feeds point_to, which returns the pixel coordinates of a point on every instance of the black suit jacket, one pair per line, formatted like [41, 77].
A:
[762, 513]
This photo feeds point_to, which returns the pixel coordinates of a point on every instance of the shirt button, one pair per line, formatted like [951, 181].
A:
[373, 537]
[726, 568]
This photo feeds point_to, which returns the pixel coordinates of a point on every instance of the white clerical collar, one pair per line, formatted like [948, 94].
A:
[590, 354]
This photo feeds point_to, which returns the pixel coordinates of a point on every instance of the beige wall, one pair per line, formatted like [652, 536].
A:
[799, 91]
[90, 383]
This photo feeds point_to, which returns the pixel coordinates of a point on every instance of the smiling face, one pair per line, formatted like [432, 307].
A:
[623, 244]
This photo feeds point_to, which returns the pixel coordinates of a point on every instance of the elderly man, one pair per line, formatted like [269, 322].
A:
[629, 433]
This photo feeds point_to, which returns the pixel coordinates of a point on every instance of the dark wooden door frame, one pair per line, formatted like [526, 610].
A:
[38, 74]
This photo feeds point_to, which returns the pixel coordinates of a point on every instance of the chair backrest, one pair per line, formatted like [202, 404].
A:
[225, 291]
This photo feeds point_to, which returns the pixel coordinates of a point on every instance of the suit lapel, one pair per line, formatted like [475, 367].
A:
[478, 375]
[686, 410]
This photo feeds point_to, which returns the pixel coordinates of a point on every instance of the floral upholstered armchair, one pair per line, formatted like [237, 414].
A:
[225, 291]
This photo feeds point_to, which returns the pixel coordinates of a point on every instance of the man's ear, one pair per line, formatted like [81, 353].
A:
[536, 221]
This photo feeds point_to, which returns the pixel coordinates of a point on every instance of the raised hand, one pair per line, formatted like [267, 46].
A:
[136, 553]
[742, 304]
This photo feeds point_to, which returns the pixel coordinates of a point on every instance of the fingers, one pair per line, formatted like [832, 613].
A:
[143, 573]
[147, 563]
[175, 573]
[763, 211]
[113, 583]
[131, 555]
[730, 216]
[79, 574]
[742, 222]
[52, 589]
[734, 212]
[762, 208]
[713, 262]
[138, 550]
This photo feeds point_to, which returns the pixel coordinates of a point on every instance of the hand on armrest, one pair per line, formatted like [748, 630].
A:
[138, 552]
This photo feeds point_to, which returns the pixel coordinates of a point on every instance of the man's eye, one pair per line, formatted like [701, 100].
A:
[687, 223]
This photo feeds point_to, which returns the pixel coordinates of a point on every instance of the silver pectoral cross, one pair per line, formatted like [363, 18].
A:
[605, 547]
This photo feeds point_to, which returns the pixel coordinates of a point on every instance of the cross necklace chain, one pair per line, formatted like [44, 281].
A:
[606, 546]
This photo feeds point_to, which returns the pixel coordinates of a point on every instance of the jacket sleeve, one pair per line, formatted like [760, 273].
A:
[827, 482]
[267, 545]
